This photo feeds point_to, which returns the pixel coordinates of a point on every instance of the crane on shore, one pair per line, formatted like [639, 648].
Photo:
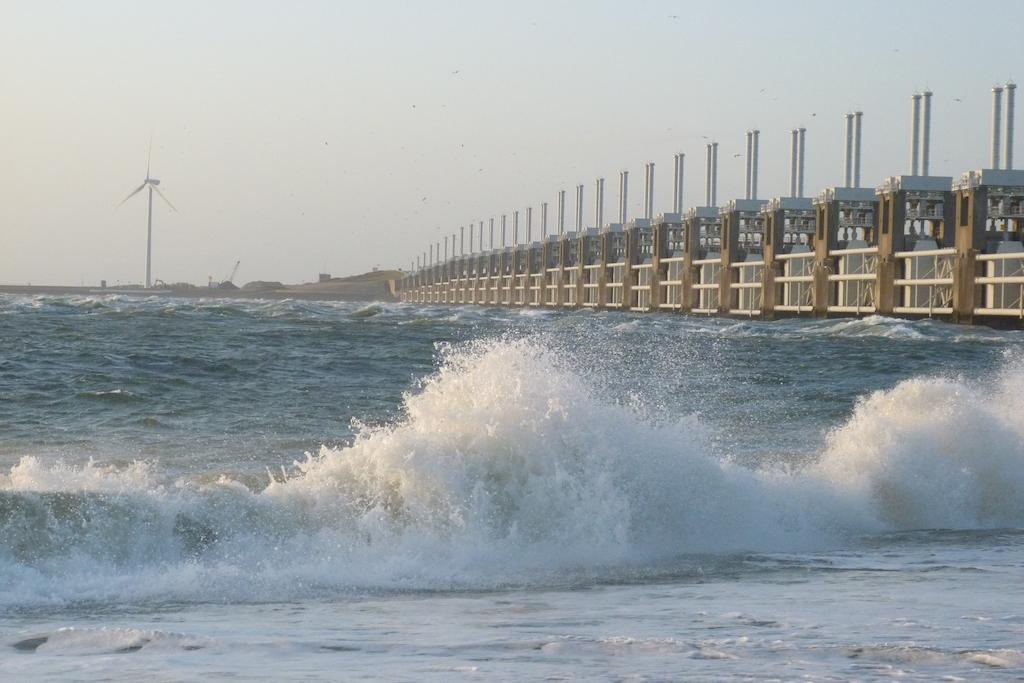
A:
[229, 281]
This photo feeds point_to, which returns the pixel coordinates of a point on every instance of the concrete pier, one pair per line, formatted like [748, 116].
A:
[989, 242]
[702, 262]
[741, 275]
[667, 262]
[845, 252]
[789, 227]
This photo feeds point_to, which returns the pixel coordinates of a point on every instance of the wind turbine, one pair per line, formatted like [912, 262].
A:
[152, 184]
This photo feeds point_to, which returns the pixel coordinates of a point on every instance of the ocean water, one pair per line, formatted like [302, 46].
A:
[204, 489]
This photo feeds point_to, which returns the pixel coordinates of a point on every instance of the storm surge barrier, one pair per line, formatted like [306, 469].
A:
[916, 245]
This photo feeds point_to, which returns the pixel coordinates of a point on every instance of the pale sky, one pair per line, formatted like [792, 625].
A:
[302, 136]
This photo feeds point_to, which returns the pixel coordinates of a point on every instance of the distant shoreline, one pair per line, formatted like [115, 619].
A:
[383, 291]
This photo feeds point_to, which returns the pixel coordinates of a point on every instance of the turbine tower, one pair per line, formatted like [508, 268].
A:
[153, 185]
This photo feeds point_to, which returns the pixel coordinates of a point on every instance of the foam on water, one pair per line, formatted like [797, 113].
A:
[77, 641]
[507, 465]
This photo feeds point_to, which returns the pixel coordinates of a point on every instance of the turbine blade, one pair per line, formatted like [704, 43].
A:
[134, 192]
[157, 190]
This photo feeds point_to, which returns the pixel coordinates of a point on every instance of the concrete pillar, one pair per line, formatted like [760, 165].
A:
[677, 184]
[561, 212]
[967, 227]
[708, 167]
[714, 174]
[623, 193]
[926, 132]
[579, 208]
[753, 164]
[915, 135]
[1011, 88]
[729, 243]
[602, 272]
[649, 194]
[997, 113]
[857, 116]
[800, 166]
[774, 217]
[749, 159]
[848, 157]
[793, 160]
[826, 216]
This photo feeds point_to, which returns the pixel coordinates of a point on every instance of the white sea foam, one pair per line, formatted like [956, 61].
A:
[506, 464]
[33, 475]
[90, 641]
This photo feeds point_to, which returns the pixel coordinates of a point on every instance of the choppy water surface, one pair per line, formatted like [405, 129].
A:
[322, 490]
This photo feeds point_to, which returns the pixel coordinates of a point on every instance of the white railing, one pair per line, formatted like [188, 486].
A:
[855, 280]
[643, 278]
[1003, 284]
[749, 287]
[520, 292]
[571, 280]
[708, 287]
[536, 289]
[616, 274]
[506, 289]
[613, 290]
[796, 284]
[493, 289]
[927, 282]
[590, 284]
[672, 285]
[551, 287]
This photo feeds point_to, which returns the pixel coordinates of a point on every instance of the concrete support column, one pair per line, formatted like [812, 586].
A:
[677, 184]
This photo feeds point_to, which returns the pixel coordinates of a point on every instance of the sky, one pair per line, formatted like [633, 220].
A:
[307, 137]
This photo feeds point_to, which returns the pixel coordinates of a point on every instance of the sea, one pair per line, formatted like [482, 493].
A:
[213, 489]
